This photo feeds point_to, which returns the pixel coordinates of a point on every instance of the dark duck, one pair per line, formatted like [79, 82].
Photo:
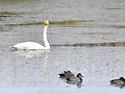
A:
[71, 78]
[118, 82]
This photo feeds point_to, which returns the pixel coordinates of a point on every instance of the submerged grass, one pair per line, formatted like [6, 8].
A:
[118, 26]
[114, 8]
[8, 14]
[15, 0]
[66, 22]
[112, 44]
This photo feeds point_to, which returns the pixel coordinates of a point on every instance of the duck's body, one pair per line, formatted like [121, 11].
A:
[34, 45]
[66, 74]
[118, 82]
[75, 80]
[70, 78]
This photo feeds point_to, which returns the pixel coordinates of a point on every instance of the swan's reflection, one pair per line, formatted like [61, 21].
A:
[30, 53]
[28, 56]
[45, 65]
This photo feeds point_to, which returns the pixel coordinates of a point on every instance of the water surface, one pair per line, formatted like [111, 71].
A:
[85, 36]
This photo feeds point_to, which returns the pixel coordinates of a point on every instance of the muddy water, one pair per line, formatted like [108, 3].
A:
[85, 36]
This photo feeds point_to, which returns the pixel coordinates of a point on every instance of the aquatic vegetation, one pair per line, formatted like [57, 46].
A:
[118, 26]
[8, 14]
[66, 22]
[113, 44]
[114, 8]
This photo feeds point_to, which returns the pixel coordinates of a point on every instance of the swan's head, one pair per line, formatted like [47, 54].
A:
[46, 22]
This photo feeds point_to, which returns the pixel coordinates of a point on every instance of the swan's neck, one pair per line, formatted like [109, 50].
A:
[46, 43]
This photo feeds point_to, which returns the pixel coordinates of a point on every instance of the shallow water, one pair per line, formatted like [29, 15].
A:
[85, 36]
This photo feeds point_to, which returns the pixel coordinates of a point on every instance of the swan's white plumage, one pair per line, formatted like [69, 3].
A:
[34, 45]
[29, 46]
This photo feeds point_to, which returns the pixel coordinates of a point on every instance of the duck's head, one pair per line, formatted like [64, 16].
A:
[79, 75]
[121, 78]
[46, 22]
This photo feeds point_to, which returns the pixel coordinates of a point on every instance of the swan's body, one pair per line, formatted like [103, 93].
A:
[29, 46]
[33, 45]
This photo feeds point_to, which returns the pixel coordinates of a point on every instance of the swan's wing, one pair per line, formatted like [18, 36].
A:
[28, 46]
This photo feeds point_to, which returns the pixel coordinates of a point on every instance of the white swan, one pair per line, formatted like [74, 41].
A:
[33, 45]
